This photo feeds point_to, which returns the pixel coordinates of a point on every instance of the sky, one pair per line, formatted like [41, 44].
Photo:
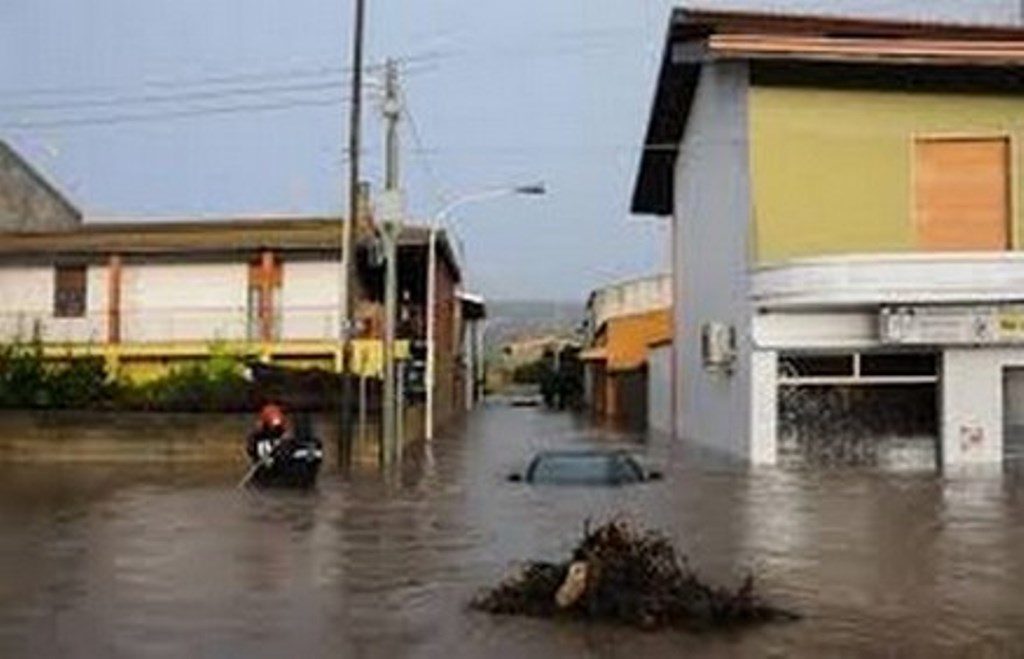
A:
[195, 108]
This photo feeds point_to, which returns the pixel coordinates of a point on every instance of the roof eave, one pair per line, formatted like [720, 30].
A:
[688, 47]
[670, 110]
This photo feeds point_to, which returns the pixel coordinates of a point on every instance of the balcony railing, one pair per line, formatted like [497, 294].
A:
[631, 297]
[172, 325]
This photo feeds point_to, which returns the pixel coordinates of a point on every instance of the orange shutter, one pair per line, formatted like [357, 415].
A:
[962, 196]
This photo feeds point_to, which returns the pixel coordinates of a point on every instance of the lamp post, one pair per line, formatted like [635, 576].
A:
[435, 226]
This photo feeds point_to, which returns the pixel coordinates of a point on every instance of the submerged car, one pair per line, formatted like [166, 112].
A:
[585, 467]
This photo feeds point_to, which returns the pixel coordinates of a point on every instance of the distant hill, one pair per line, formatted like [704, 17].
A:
[522, 319]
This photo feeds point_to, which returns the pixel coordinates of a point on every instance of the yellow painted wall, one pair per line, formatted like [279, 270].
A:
[831, 169]
[142, 362]
[628, 337]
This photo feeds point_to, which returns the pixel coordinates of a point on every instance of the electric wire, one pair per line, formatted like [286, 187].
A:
[422, 155]
[182, 83]
[174, 114]
[170, 98]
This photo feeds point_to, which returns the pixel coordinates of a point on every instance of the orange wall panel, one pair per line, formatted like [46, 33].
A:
[630, 336]
[962, 194]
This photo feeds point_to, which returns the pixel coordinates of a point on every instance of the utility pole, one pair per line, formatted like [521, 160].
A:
[348, 274]
[391, 444]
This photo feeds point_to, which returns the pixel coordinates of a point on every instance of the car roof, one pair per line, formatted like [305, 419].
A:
[583, 453]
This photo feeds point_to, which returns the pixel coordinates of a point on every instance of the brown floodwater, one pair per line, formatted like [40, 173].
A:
[172, 560]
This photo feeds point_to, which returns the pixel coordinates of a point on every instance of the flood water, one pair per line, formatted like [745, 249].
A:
[165, 560]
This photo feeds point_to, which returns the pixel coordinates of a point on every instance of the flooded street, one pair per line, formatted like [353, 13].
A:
[161, 560]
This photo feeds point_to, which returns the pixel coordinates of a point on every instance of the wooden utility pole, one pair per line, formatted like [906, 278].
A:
[348, 275]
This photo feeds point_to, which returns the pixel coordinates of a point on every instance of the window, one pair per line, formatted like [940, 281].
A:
[816, 365]
[797, 369]
[962, 193]
[69, 291]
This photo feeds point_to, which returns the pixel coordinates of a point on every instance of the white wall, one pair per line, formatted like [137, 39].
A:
[184, 301]
[659, 389]
[712, 213]
[310, 292]
[171, 302]
[26, 296]
[629, 297]
[841, 328]
[972, 406]
[472, 360]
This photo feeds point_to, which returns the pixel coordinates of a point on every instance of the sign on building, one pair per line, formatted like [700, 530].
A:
[952, 325]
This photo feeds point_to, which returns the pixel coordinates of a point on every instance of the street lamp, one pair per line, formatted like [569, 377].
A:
[534, 189]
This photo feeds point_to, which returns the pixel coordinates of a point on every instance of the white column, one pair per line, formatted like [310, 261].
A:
[972, 407]
[764, 407]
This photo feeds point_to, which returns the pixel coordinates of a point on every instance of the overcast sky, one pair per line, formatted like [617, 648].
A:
[500, 93]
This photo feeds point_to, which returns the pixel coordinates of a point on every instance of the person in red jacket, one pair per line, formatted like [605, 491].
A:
[271, 428]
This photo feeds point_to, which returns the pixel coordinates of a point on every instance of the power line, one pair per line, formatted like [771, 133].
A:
[92, 90]
[215, 80]
[175, 114]
[534, 148]
[421, 152]
[567, 43]
[170, 98]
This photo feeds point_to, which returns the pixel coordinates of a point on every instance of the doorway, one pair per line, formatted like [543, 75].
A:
[1013, 413]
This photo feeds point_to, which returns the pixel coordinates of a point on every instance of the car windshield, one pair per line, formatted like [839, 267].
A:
[583, 469]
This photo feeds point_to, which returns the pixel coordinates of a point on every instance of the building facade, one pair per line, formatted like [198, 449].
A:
[622, 321]
[473, 362]
[845, 199]
[147, 295]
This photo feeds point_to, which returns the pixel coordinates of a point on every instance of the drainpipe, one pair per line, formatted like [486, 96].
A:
[113, 311]
[114, 299]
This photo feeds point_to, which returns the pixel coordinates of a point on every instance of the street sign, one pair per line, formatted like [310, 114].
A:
[952, 325]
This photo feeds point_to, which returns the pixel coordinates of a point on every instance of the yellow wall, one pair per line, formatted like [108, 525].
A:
[628, 337]
[142, 362]
[831, 169]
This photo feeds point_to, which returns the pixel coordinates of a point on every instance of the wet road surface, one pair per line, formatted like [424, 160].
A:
[173, 561]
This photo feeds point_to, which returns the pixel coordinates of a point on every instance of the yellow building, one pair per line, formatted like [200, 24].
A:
[845, 195]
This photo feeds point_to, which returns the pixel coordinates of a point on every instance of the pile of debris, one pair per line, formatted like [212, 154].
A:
[621, 574]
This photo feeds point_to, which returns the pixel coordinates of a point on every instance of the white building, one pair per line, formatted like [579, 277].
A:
[160, 290]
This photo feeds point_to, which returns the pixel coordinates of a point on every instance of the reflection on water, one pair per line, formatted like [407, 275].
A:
[174, 561]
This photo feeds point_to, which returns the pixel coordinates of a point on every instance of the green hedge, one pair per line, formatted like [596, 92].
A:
[29, 381]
